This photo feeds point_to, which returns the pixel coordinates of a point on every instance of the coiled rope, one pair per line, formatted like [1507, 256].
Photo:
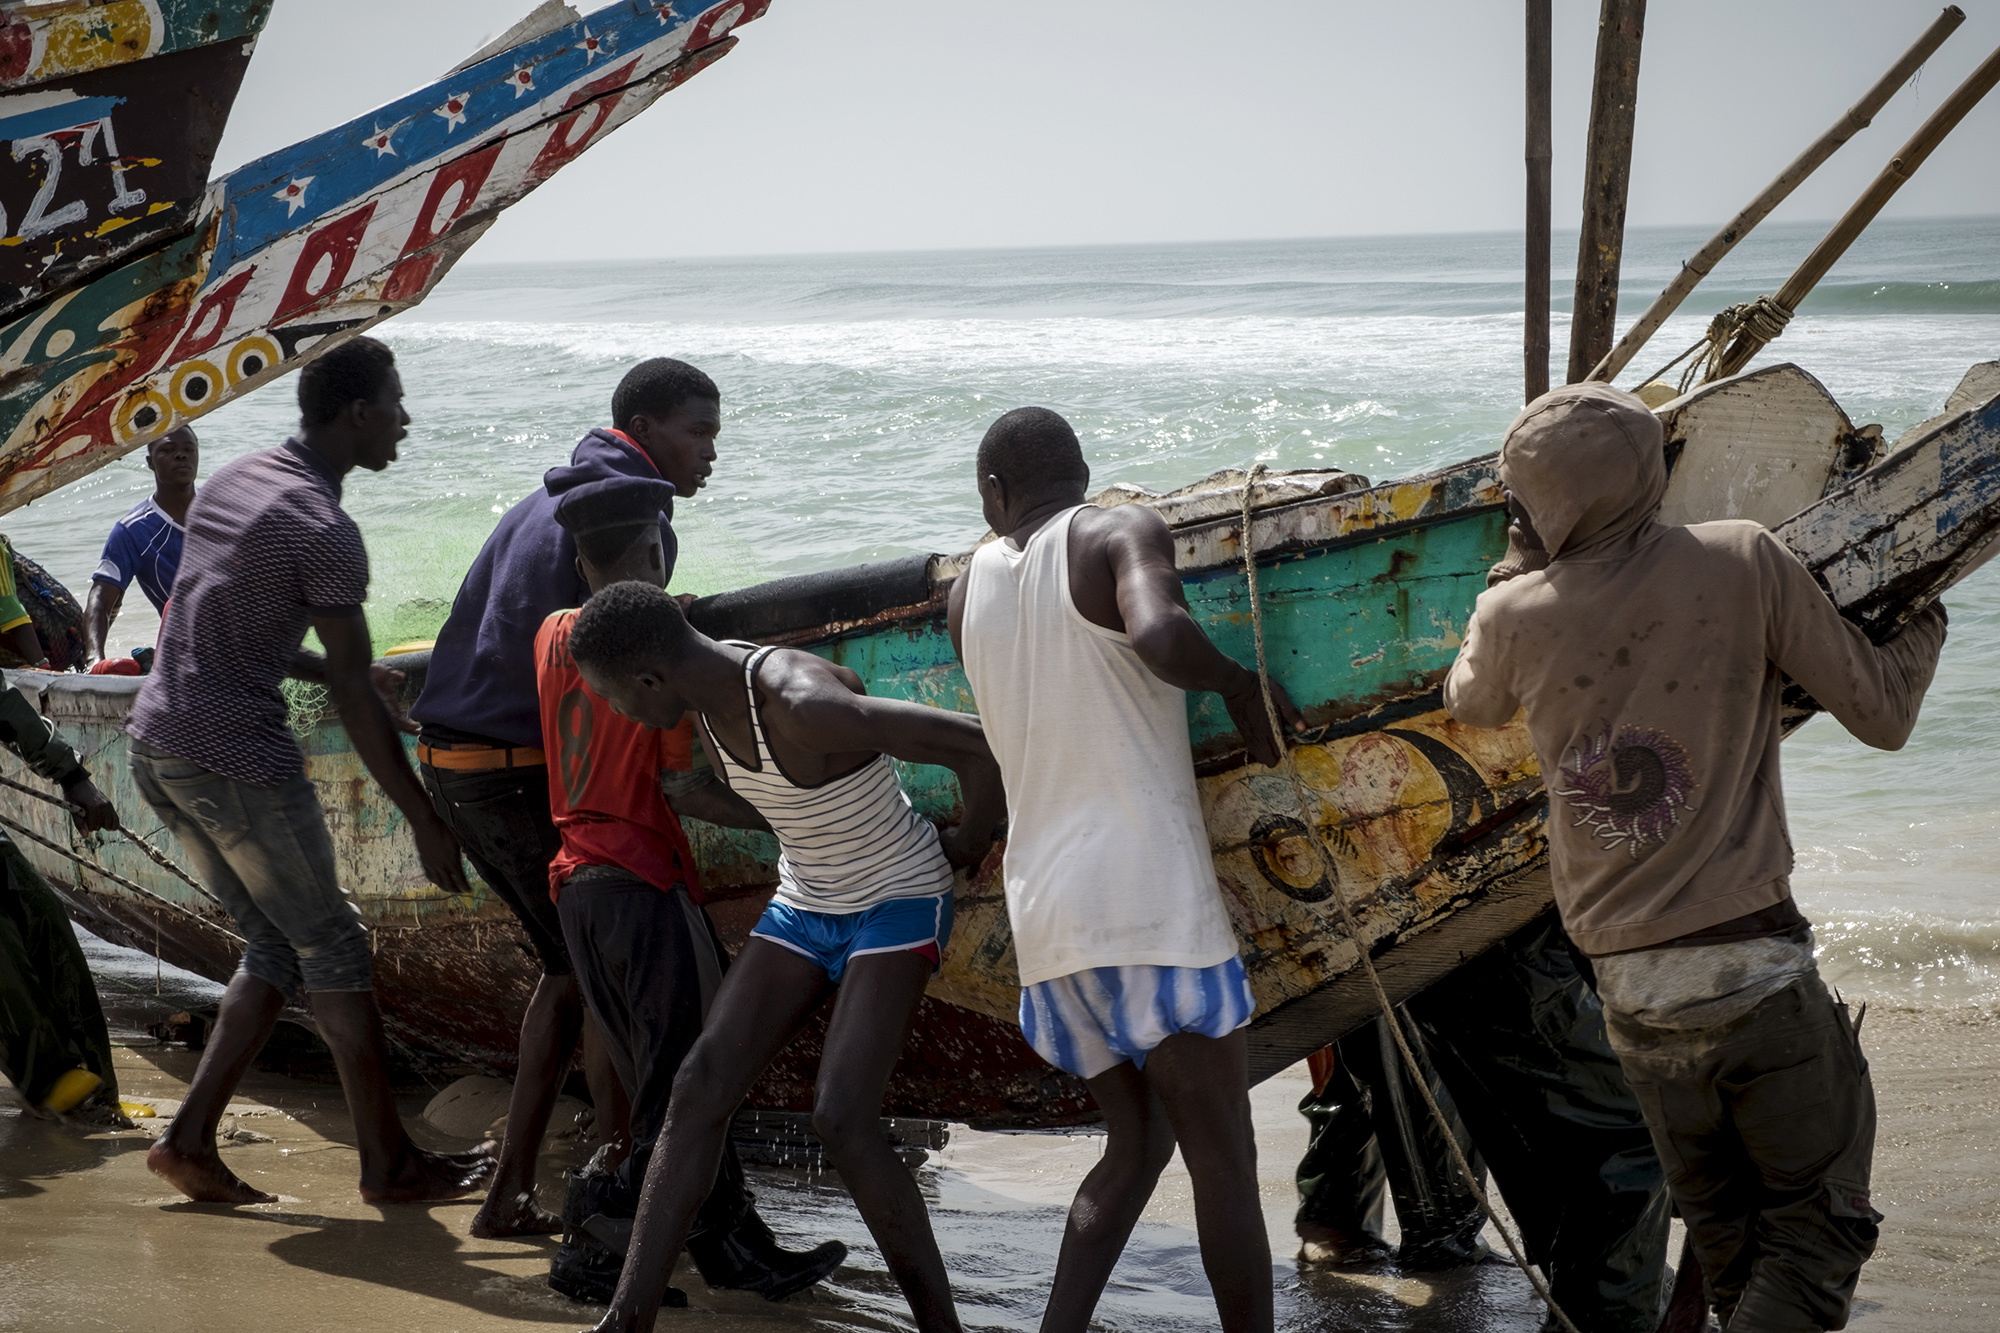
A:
[1332, 873]
[1763, 319]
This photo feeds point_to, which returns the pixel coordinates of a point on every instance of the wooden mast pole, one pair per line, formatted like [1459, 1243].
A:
[1540, 153]
[1614, 99]
[1705, 259]
[1752, 338]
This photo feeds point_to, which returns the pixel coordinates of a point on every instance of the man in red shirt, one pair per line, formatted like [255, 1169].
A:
[627, 893]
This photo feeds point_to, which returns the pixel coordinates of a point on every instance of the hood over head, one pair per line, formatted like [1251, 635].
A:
[604, 456]
[1587, 463]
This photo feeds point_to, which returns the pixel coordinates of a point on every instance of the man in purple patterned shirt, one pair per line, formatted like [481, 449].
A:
[270, 551]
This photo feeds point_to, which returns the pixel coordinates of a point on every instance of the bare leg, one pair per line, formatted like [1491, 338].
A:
[393, 1169]
[185, 1154]
[608, 1095]
[878, 998]
[1205, 1086]
[1139, 1142]
[548, 1039]
[766, 996]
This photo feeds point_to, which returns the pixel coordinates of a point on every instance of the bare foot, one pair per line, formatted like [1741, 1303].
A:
[201, 1176]
[515, 1215]
[427, 1177]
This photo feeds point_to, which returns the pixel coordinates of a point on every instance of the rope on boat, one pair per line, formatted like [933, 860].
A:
[152, 899]
[153, 853]
[1763, 319]
[1332, 873]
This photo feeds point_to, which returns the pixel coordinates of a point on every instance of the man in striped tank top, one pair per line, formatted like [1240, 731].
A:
[1078, 644]
[863, 904]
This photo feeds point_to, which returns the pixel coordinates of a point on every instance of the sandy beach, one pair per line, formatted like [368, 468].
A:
[94, 1241]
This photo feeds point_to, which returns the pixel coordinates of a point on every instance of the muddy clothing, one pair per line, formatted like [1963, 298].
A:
[268, 548]
[1516, 1043]
[1650, 660]
[1766, 1127]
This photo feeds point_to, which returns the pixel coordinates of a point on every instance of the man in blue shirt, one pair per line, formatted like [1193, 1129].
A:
[146, 543]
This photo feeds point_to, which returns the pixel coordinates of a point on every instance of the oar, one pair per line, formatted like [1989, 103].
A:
[1705, 259]
[1767, 318]
[1535, 339]
[1607, 171]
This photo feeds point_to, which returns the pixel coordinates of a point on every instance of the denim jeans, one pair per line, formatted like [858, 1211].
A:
[265, 852]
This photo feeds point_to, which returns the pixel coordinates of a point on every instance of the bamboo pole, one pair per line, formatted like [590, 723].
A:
[1705, 259]
[1752, 339]
[1614, 101]
[1540, 153]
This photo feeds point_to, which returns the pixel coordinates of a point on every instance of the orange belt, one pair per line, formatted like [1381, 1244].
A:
[480, 758]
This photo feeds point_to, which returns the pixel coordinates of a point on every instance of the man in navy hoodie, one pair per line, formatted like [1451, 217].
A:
[480, 751]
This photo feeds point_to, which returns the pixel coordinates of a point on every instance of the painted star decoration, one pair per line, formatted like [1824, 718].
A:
[666, 13]
[294, 194]
[453, 110]
[383, 141]
[523, 79]
[593, 47]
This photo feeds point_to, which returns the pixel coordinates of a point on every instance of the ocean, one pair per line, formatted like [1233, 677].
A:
[855, 391]
[856, 388]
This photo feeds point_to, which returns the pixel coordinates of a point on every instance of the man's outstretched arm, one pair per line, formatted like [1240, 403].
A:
[99, 610]
[347, 677]
[28, 734]
[1171, 644]
[828, 717]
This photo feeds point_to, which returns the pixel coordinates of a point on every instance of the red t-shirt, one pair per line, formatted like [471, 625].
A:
[604, 776]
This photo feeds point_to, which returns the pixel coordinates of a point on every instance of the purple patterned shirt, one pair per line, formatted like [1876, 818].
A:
[268, 547]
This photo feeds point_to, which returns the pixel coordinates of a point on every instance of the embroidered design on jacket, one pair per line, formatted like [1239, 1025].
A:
[1628, 790]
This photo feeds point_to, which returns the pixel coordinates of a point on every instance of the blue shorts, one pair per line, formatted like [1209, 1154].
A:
[832, 939]
[1089, 1021]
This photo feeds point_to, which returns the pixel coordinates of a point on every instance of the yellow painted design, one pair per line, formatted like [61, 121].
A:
[108, 34]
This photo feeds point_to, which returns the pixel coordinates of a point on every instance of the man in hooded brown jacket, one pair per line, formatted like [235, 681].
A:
[1650, 660]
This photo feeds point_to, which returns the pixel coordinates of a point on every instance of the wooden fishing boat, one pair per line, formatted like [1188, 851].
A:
[289, 254]
[111, 111]
[1436, 830]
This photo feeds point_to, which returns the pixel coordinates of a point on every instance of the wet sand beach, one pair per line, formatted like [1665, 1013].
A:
[95, 1241]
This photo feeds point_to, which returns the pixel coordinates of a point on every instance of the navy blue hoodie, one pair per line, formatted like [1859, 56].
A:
[481, 683]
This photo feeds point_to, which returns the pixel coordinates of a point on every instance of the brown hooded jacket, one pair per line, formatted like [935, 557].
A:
[1650, 661]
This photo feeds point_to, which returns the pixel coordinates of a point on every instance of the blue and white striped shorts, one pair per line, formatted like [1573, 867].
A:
[1089, 1021]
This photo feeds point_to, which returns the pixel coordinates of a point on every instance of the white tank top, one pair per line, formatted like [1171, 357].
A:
[845, 845]
[1108, 861]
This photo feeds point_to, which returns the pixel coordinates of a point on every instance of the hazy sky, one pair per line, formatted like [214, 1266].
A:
[899, 124]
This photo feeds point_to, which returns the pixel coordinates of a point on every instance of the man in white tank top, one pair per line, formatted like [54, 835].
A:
[863, 904]
[1080, 651]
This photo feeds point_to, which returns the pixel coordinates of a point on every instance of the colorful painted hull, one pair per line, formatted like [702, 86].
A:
[1435, 830]
[315, 243]
[110, 113]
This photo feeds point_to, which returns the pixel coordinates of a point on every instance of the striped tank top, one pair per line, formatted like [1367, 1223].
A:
[846, 844]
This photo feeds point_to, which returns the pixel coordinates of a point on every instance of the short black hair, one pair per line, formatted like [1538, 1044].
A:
[182, 429]
[358, 368]
[1033, 450]
[628, 626]
[656, 387]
